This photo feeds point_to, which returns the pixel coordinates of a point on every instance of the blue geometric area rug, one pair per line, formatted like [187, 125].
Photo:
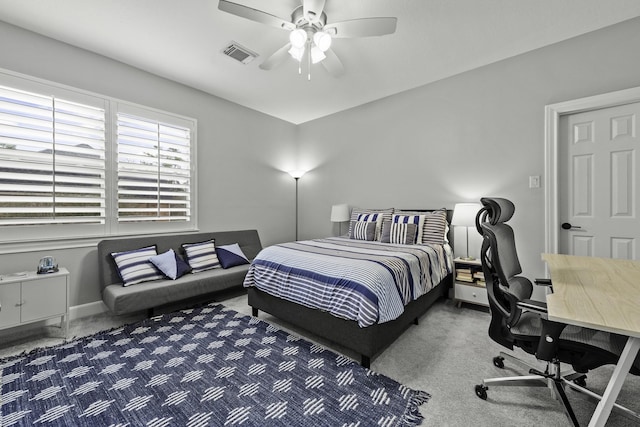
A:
[208, 366]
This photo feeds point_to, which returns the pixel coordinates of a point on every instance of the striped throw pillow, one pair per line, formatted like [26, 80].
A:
[201, 256]
[435, 227]
[418, 220]
[134, 266]
[402, 233]
[383, 214]
[364, 230]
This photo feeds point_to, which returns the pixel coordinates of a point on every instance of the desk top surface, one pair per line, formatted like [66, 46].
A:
[599, 293]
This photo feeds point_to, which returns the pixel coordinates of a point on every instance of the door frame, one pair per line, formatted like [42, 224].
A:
[552, 114]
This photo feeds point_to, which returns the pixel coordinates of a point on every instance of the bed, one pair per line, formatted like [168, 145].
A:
[359, 293]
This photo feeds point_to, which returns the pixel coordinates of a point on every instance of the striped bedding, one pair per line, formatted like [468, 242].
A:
[368, 282]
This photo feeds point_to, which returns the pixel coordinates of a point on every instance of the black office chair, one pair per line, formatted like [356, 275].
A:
[518, 321]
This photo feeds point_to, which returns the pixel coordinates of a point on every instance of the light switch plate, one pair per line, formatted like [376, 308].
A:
[534, 181]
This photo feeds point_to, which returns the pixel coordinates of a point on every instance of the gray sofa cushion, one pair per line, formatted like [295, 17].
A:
[121, 299]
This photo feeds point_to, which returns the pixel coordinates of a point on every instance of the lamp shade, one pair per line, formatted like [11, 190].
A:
[340, 213]
[317, 55]
[298, 38]
[297, 173]
[322, 40]
[465, 214]
[296, 53]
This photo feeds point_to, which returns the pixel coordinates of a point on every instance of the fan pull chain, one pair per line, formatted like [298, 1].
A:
[308, 59]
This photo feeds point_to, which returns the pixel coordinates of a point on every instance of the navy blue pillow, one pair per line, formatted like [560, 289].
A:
[231, 255]
[181, 266]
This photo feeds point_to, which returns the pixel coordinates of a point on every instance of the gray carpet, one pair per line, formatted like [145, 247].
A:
[446, 355]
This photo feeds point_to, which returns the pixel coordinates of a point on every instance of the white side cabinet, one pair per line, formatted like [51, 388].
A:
[30, 297]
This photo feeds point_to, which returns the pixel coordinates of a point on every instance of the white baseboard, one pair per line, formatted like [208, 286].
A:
[82, 310]
[75, 312]
[85, 310]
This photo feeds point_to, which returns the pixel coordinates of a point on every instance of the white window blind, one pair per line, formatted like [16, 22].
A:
[52, 160]
[154, 170]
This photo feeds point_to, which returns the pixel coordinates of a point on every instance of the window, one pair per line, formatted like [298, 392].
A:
[52, 160]
[66, 173]
[154, 170]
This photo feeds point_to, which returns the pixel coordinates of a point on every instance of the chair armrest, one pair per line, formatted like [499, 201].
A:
[533, 305]
[543, 282]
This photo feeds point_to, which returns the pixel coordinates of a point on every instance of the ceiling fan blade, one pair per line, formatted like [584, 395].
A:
[364, 27]
[333, 64]
[254, 15]
[277, 58]
[312, 9]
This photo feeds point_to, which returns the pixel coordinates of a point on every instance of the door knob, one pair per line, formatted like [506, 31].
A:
[567, 226]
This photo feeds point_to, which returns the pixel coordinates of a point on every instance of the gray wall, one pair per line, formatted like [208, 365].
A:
[476, 134]
[241, 153]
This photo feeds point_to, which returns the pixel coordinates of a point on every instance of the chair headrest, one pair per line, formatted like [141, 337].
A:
[497, 209]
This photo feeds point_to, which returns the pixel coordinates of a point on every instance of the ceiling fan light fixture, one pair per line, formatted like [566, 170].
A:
[297, 53]
[317, 55]
[298, 38]
[322, 40]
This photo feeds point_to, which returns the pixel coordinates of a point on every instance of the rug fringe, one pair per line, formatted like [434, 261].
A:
[412, 416]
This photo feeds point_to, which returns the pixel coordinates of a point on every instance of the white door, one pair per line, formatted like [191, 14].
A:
[598, 183]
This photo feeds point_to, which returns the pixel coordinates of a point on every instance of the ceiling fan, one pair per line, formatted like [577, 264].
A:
[310, 35]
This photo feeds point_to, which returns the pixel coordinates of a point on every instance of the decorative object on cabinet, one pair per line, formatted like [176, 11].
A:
[31, 297]
[340, 214]
[469, 283]
[47, 264]
[464, 214]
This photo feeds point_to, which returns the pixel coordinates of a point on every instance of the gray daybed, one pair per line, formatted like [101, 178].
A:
[144, 296]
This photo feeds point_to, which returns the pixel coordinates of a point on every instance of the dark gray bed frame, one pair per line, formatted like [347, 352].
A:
[367, 342]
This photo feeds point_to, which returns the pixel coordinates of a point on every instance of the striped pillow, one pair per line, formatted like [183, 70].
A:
[134, 266]
[363, 230]
[201, 256]
[433, 233]
[383, 214]
[402, 233]
[435, 227]
[412, 219]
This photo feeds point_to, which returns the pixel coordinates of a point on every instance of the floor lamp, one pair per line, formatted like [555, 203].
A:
[297, 174]
[464, 214]
[339, 214]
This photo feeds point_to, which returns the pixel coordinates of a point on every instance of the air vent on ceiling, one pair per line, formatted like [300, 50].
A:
[239, 53]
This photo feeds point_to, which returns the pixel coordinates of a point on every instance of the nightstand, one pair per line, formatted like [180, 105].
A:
[469, 283]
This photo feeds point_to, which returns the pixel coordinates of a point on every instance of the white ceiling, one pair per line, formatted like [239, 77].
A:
[183, 40]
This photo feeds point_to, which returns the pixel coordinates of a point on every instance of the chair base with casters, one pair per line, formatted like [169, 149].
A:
[552, 378]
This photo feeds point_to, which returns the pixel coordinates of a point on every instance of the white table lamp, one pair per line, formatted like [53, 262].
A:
[340, 214]
[464, 214]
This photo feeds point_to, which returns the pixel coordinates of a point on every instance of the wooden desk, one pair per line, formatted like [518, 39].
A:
[599, 293]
